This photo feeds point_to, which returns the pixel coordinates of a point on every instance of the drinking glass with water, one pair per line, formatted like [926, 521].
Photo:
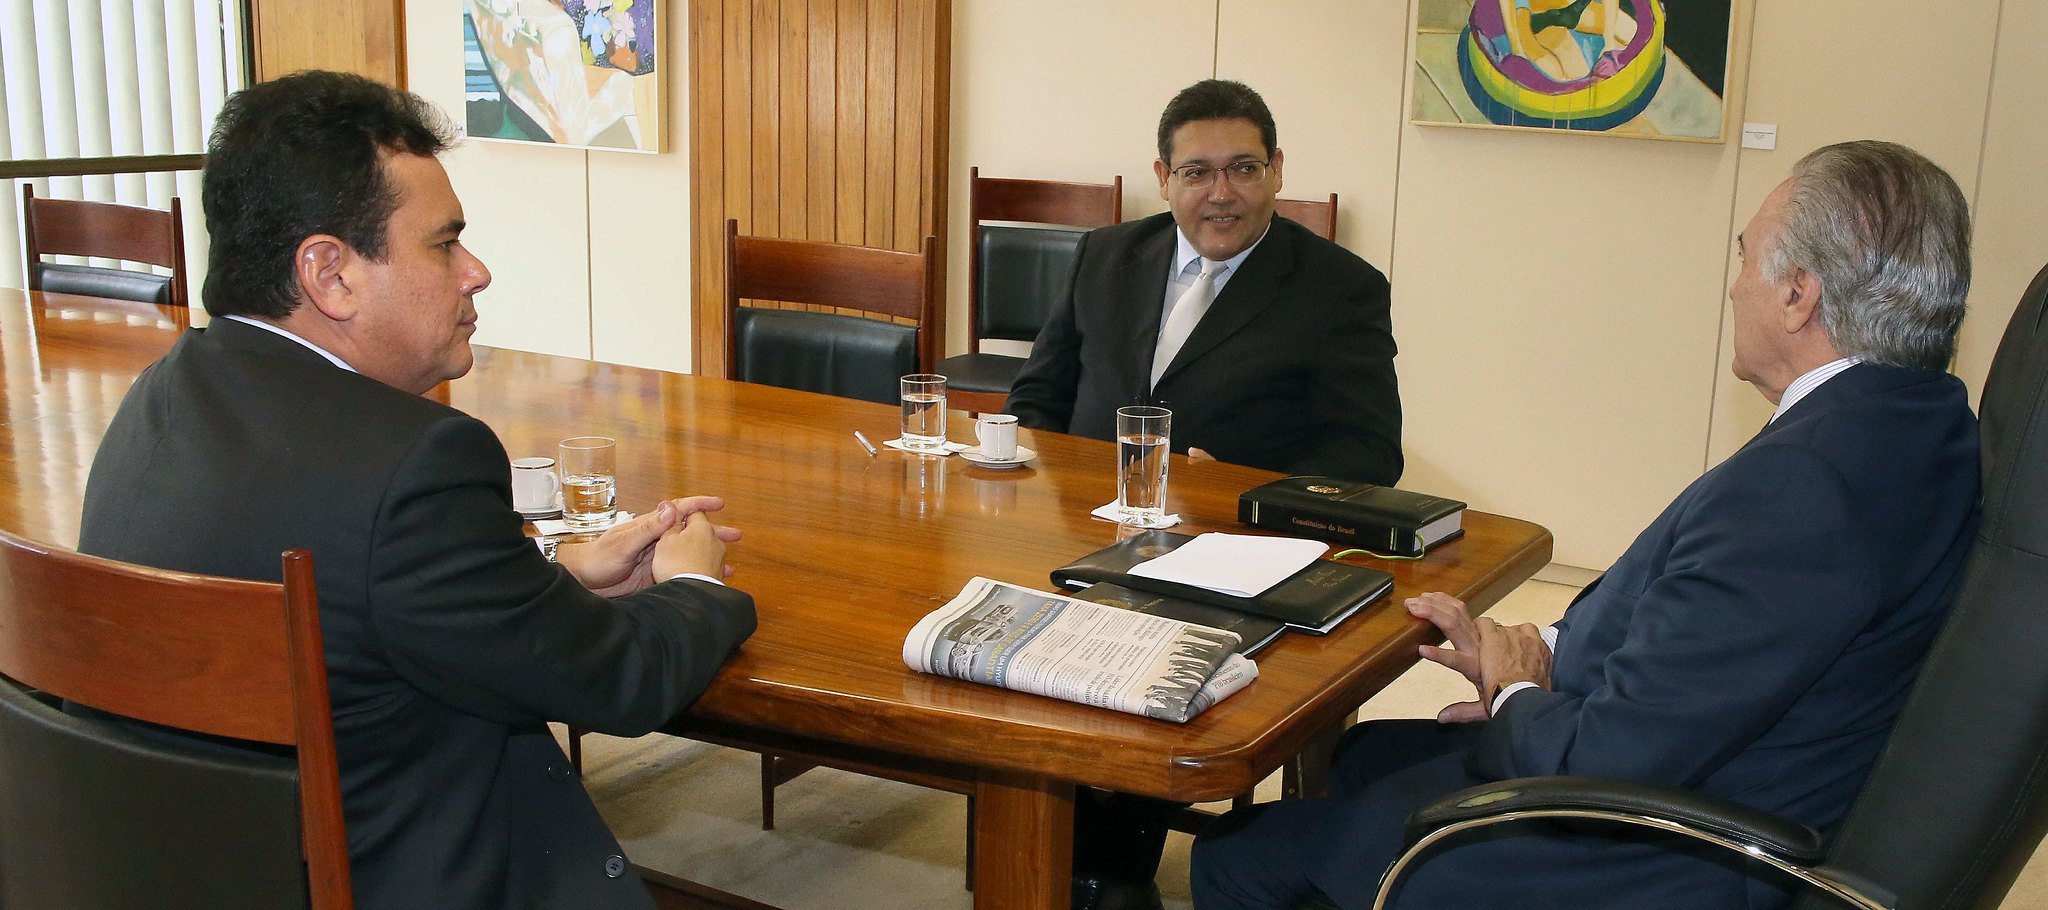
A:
[924, 412]
[589, 466]
[1141, 446]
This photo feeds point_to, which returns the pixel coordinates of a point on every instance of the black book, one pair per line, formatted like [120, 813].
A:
[1402, 522]
[1255, 632]
[1313, 600]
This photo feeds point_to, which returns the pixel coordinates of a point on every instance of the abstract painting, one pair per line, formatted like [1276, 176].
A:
[1654, 69]
[581, 73]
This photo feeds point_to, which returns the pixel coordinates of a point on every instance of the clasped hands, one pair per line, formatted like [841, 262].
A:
[1489, 655]
[677, 538]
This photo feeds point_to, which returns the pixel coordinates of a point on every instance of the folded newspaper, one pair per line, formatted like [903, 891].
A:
[1091, 653]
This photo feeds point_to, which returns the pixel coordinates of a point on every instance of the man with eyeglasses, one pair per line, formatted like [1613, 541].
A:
[1272, 346]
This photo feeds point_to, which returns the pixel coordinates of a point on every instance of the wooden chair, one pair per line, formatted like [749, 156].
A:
[1319, 216]
[1015, 273]
[175, 802]
[828, 348]
[62, 227]
[850, 356]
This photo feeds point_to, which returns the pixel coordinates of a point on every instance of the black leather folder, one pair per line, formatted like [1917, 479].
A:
[1254, 632]
[1313, 600]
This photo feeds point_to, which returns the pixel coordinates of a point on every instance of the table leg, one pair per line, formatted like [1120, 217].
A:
[1307, 774]
[1023, 842]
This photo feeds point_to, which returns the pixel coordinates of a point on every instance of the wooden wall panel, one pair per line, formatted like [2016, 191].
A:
[814, 120]
[293, 35]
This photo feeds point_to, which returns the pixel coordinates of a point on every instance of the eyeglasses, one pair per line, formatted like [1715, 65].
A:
[1240, 173]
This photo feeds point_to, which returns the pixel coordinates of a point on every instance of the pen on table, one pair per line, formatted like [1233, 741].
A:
[862, 438]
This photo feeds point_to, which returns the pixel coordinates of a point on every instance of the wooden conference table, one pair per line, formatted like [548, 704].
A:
[843, 553]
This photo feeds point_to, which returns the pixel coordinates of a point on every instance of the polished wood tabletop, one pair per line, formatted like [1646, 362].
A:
[843, 553]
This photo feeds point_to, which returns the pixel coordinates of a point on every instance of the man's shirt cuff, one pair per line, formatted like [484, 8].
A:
[1502, 698]
[697, 577]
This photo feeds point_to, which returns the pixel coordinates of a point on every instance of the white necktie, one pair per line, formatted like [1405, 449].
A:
[1187, 311]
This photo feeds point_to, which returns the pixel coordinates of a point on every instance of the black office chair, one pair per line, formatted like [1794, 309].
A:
[181, 806]
[63, 227]
[1959, 799]
[1015, 272]
[835, 352]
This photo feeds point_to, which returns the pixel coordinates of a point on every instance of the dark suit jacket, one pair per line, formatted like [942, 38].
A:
[450, 641]
[1757, 641]
[1291, 369]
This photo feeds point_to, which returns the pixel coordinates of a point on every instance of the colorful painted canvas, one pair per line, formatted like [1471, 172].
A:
[583, 73]
[1646, 68]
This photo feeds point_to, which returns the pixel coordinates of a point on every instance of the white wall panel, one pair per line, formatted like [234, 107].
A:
[1854, 85]
[2011, 195]
[1065, 90]
[1355, 53]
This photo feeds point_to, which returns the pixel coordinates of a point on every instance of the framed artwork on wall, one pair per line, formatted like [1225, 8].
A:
[1648, 69]
[577, 73]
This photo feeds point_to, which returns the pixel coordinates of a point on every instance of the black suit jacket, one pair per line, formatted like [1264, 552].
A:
[450, 641]
[1291, 369]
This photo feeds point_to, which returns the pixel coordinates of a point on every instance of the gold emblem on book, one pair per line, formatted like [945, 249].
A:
[1324, 488]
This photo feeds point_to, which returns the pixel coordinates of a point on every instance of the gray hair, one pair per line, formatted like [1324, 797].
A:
[1887, 234]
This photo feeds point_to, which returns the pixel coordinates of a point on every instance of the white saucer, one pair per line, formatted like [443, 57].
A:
[553, 511]
[973, 454]
[950, 448]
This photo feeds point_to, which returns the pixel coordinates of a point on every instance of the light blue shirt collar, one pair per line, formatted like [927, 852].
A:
[309, 345]
[1184, 253]
[1806, 383]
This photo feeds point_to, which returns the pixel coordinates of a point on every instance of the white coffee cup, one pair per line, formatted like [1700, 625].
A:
[535, 487]
[997, 434]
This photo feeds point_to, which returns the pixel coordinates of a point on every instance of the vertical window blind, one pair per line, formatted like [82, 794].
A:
[106, 78]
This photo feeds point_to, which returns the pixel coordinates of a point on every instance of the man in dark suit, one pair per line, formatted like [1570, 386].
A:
[341, 292]
[1755, 643]
[1272, 346]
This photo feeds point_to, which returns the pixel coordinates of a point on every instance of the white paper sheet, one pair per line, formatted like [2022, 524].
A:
[1240, 565]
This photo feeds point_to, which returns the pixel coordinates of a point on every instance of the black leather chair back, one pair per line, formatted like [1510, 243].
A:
[104, 814]
[1959, 798]
[93, 281]
[1023, 271]
[846, 356]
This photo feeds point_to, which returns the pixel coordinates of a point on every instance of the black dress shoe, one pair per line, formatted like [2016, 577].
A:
[1115, 894]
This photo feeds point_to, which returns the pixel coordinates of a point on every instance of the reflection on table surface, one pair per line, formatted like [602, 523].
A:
[843, 552]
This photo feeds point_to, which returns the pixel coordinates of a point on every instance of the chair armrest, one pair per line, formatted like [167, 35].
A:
[1788, 839]
[1788, 846]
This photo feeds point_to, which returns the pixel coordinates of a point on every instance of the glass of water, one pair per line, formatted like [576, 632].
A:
[589, 466]
[1141, 446]
[924, 412]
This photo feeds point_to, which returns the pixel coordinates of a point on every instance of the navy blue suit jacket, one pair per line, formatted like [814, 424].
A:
[1757, 641]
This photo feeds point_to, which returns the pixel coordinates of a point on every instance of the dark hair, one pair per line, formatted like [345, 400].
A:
[299, 156]
[1216, 99]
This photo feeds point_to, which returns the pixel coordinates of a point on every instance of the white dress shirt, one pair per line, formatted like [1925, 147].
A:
[1809, 381]
[301, 341]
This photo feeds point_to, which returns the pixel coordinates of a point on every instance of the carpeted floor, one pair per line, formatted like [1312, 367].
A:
[844, 841]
